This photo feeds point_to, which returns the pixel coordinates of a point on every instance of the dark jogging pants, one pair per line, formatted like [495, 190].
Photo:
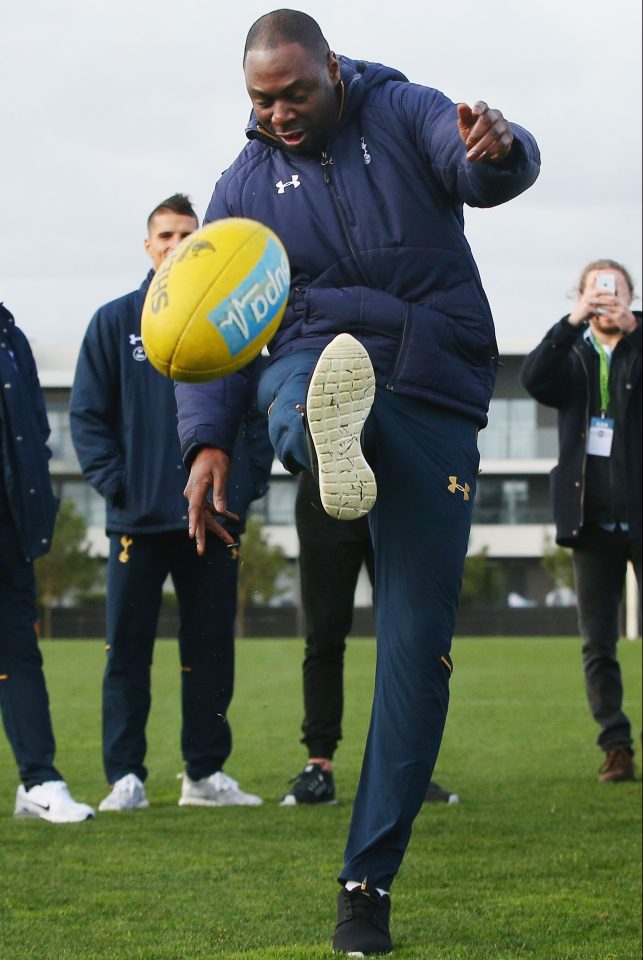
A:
[331, 554]
[206, 589]
[23, 694]
[425, 460]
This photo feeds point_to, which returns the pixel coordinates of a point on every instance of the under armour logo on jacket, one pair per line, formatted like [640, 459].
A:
[133, 339]
[281, 186]
[454, 485]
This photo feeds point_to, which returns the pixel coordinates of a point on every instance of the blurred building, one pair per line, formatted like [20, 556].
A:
[512, 518]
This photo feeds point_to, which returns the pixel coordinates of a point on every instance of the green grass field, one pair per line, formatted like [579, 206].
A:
[538, 861]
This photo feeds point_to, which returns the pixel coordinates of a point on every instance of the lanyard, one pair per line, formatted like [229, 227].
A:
[604, 376]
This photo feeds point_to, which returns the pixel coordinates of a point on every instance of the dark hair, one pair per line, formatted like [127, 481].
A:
[177, 203]
[605, 265]
[286, 26]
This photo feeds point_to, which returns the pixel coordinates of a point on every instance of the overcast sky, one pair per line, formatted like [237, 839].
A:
[108, 106]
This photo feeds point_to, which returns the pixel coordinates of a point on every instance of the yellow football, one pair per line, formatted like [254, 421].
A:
[215, 300]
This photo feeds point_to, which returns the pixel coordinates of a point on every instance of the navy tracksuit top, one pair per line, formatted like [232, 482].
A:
[374, 233]
[124, 427]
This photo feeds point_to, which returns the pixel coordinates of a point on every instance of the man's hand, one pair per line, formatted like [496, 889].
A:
[485, 132]
[614, 307]
[209, 470]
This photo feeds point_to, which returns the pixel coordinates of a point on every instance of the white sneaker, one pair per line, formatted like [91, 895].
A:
[51, 801]
[217, 790]
[128, 793]
[340, 396]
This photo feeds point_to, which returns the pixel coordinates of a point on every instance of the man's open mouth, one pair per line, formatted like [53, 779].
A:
[292, 139]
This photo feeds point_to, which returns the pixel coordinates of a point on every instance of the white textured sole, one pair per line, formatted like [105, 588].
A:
[289, 801]
[81, 817]
[340, 396]
[141, 805]
[202, 802]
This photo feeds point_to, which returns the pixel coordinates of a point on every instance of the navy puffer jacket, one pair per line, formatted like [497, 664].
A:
[374, 234]
[24, 431]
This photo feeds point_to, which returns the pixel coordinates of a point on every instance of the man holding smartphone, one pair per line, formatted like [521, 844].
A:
[589, 368]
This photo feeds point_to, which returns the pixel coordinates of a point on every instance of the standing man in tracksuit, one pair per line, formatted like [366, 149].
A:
[588, 367]
[27, 517]
[123, 419]
[363, 175]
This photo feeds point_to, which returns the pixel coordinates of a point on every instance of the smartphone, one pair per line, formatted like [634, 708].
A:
[605, 283]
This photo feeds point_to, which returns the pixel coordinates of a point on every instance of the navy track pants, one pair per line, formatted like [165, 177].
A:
[425, 460]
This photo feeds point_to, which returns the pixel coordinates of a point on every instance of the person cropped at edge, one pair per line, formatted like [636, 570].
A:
[27, 516]
[588, 366]
[123, 420]
[363, 176]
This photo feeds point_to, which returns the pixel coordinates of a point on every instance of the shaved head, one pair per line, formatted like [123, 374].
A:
[283, 27]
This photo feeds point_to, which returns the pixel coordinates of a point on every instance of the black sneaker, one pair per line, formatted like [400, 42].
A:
[362, 922]
[435, 794]
[313, 785]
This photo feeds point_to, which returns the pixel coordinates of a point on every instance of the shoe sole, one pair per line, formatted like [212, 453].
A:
[315, 803]
[339, 399]
[198, 802]
[143, 805]
[42, 815]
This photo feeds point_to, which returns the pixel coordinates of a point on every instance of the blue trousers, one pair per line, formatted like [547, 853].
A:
[23, 694]
[206, 590]
[426, 461]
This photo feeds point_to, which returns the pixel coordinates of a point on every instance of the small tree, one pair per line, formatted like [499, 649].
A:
[68, 567]
[557, 564]
[261, 571]
[481, 581]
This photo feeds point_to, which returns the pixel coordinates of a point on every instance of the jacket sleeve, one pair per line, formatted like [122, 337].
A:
[546, 371]
[432, 120]
[30, 374]
[210, 414]
[94, 409]
[257, 442]
[218, 208]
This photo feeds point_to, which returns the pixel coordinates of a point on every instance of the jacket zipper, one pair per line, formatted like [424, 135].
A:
[326, 163]
[400, 353]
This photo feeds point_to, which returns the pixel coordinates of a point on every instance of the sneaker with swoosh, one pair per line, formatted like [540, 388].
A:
[51, 801]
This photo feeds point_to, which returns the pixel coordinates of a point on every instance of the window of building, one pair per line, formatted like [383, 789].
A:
[278, 505]
[512, 500]
[518, 429]
[62, 449]
[87, 501]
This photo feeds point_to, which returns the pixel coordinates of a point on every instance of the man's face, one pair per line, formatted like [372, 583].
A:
[166, 231]
[294, 95]
[604, 324]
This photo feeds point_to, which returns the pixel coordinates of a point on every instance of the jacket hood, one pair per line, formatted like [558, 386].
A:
[5, 315]
[358, 77]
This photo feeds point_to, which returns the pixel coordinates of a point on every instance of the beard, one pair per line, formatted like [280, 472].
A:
[605, 325]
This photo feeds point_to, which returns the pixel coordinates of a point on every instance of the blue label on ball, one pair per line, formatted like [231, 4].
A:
[253, 305]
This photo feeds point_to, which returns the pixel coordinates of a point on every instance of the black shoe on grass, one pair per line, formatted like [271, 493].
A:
[435, 794]
[362, 922]
[313, 785]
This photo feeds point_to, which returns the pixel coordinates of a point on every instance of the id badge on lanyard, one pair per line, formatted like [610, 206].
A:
[601, 429]
[600, 436]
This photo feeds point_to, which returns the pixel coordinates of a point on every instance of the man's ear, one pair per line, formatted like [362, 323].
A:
[333, 67]
[146, 244]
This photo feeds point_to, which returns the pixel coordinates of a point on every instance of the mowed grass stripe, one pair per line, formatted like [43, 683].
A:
[539, 860]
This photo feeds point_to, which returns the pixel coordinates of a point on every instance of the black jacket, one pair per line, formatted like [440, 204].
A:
[24, 430]
[559, 374]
